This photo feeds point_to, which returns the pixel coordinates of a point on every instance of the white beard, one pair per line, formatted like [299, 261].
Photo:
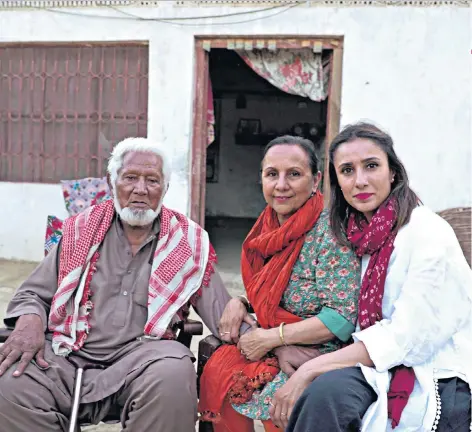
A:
[137, 217]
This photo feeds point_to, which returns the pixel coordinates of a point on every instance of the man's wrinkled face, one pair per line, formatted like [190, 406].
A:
[140, 188]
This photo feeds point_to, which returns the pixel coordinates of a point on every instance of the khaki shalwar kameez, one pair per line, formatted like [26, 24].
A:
[152, 381]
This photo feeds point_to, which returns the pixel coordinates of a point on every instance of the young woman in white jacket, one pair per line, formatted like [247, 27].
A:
[410, 363]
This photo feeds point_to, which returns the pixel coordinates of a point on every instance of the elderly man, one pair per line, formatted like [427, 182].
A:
[110, 294]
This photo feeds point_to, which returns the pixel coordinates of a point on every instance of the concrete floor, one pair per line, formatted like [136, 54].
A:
[226, 235]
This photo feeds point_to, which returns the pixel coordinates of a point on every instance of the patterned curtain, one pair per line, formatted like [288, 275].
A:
[210, 114]
[299, 72]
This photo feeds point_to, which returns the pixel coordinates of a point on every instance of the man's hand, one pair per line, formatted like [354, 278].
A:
[25, 343]
[234, 315]
[293, 356]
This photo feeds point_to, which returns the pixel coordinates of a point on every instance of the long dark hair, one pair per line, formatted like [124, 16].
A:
[307, 146]
[340, 210]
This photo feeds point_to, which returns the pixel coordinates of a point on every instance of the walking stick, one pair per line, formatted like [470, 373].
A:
[79, 375]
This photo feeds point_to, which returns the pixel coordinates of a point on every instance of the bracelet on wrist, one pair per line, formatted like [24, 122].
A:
[281, 333]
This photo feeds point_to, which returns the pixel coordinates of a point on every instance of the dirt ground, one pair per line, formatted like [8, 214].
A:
[13, 273]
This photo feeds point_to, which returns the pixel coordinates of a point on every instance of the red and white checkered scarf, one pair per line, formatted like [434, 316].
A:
[182, 261]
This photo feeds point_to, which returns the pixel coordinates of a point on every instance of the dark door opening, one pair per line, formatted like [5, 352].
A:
[249, 112]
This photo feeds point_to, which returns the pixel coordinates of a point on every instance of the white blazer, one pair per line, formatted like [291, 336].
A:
[427, 321]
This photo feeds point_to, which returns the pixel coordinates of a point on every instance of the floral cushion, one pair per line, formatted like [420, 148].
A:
[82, 193]
[53, 233]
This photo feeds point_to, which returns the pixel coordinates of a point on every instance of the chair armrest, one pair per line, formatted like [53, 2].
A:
[191, 327]
[188, 329]
[5, 334]
[206, 348]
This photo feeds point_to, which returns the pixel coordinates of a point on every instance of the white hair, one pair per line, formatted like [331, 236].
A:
[144, 145]
[115, 163]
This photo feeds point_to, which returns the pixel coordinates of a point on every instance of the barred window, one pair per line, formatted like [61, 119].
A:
[63, 107]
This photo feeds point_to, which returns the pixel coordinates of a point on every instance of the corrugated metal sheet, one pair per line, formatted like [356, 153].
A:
[21, 4]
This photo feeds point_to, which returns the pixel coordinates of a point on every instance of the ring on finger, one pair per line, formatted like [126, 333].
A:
[271, 404]
[283, 414]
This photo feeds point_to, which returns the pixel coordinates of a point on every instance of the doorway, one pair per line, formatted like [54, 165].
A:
[249, 112]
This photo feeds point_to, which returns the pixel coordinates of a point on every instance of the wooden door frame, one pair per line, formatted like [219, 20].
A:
[199, 133]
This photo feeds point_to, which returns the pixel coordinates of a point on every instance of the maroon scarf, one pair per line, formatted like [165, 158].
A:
[376, 239]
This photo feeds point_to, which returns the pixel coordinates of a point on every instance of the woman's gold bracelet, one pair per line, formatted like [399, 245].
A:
[281, 333]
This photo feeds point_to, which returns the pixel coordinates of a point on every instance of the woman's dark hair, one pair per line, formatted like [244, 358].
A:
[339, 208]
[307, 146]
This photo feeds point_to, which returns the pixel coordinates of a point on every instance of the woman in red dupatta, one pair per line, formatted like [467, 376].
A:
[234, 375]
[415, 304]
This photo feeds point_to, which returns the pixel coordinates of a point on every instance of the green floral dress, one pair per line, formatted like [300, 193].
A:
[325, 282]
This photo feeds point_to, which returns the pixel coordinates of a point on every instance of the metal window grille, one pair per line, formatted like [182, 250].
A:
[62, 108]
